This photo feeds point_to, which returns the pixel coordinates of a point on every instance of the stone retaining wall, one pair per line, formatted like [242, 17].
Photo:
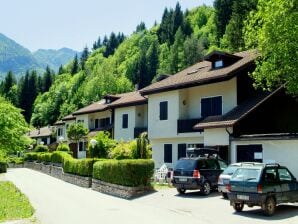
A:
[14, 165]
[77, 180]
[118, 190]
[46, 168]
[56, 171]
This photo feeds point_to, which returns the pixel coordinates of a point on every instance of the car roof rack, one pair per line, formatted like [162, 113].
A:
[272, 164]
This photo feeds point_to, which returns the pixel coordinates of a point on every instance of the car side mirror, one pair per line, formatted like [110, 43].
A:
[294, 179]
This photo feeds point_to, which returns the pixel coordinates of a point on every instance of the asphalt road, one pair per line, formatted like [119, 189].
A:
[57, 202]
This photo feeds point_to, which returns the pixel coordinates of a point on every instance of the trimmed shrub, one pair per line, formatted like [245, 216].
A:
[58, 156]
[41, 148]
[131, 173]
[81, 167]
[31, 156]
[63, 147]
[3, 167]
[103, 146]
[45, 157]
[123, 150]
[15, 160]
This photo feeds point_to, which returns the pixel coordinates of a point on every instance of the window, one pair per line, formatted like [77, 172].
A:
[81, 146]
[211, 106]
[212, 164]
[284, 175]
[270, 175]
[124, 120]
[80, 121]
[96, 123]
[222, 165]
[168, 153]
[60, 131]
[163, 110]
[181, 150]
[218, 64]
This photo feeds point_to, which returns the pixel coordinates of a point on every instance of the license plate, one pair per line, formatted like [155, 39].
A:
[243, 197]
[182, 179]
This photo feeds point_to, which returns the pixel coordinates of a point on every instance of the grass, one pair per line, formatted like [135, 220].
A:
[13, 204]
[159, 186]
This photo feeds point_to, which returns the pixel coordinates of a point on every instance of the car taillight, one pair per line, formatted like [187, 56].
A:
[260, 190]
[196, 174]
[229, 187]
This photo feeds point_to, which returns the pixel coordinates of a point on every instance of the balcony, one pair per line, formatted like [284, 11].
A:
[139, 130]
[186, 125]
[104, 128]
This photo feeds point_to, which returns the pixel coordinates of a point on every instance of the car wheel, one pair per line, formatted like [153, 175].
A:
[238, 206]
[225, 195]
[270, 206]
[181, 190]
[206, 188]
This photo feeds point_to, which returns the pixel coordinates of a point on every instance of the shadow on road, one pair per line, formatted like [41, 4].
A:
[282, 212]
[197, 194]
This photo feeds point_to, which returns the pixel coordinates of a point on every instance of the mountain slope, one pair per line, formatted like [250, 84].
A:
[15, 57]
[54, 58]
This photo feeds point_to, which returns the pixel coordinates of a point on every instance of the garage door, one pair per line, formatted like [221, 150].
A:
[249, 153]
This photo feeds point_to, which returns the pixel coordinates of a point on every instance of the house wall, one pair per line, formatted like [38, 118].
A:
[125, 134]
[216, 136]
[83, 117]
[98, 115]
[158, 149]
[66, 125]
[141, 116]
[163, 128]
[284, 152]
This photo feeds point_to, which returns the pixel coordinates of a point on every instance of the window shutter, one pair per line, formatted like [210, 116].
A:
[125, 121]
[163, 110]
[181, 150]
[217, 105]
[168, 153]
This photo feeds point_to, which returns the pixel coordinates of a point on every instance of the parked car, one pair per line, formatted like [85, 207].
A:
[224, 177]
[265, 185]
[197, 173]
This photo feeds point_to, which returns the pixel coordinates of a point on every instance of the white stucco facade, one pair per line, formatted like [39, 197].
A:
[185, 104]
[284, 152]
[137, 118]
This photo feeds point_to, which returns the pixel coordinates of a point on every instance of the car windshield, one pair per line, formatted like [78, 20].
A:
[230, 170]
[186, 164]
[247, 174]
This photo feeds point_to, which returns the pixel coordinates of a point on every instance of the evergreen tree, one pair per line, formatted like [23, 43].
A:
[96, 44]
[84, 57]
[152, 61]
[47, 80]
[193, 51]
[61, 70]
[105, 41]
[142, 71]
[223, 12]
[9, 81]
[111, 45]
[165, 29]
[177, 59]
[141, 27]
[234, 37]
[75, 65]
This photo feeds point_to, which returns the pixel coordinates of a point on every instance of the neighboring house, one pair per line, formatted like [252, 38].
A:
[213, 103]
[43, 135]
[129, 110]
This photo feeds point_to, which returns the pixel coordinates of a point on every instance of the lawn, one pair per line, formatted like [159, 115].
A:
[13, 204]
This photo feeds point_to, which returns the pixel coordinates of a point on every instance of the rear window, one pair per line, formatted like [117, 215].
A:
[247, 174]
[230, 170]
[186, 164]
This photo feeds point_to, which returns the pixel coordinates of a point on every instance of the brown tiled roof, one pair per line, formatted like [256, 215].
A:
[68, 117]
[127, 99]
[42, 132]
[94, 107]
[201, 73]
[59, 122]
[235, 115]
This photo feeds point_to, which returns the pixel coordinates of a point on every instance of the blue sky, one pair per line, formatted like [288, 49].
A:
[52, 24]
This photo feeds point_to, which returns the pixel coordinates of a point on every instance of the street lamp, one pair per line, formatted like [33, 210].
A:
[41, 143]
[93, 143]
[61, 139]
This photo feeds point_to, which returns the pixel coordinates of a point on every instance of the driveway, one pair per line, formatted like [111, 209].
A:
[58, 202]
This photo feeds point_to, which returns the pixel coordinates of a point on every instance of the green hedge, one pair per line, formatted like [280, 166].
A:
[124, 172]
[15, 160]
[3, 167]
[63, 147]
[58, 156]
[82, 167]
[45, 157]
[31, 156]
[41, 148]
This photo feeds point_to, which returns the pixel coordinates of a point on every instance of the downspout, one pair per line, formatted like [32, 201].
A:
[230, 146]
